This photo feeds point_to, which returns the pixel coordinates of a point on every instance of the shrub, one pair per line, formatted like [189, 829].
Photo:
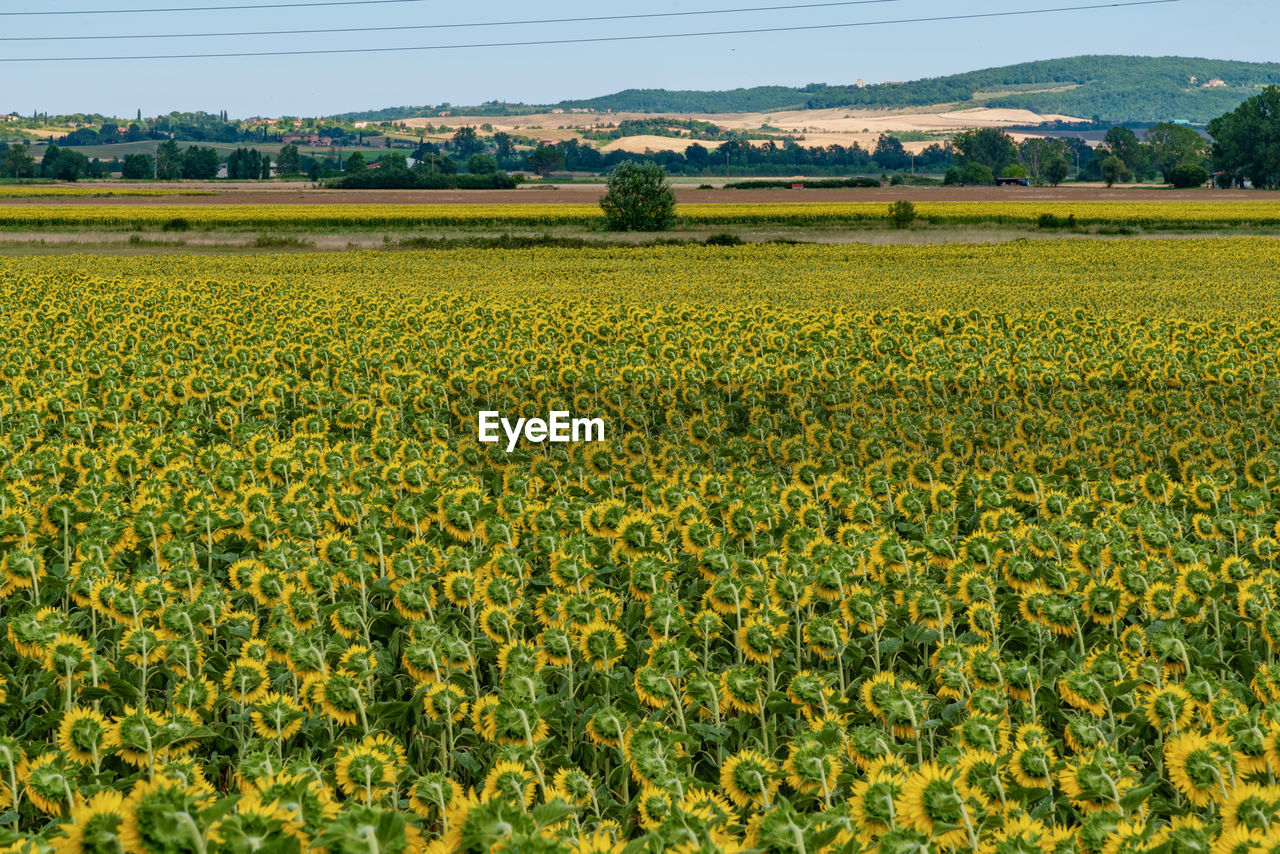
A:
[724, 239]
[1188, 175]
[1048, 220]
[969, 173]
[638, 198]
[901, 213]
[178, 223]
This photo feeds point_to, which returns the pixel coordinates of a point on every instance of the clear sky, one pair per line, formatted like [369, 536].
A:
[326, 84]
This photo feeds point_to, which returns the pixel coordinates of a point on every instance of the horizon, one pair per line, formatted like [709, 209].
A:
[551, 104]
[331, 84]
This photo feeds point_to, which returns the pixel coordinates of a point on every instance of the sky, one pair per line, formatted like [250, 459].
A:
[324, 84]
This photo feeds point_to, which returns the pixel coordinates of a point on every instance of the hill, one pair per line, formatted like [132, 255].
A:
[1112, 88]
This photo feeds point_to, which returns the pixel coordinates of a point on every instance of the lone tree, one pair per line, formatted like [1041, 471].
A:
[544, 160]
[1056, 169]
[638, 198]
[1113, 169]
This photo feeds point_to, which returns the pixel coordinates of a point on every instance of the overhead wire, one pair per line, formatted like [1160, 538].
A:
[306, 5]
[594, 39]
[407, 27]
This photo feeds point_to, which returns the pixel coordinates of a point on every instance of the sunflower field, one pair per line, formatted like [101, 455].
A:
[1169, 215]
[900, 549]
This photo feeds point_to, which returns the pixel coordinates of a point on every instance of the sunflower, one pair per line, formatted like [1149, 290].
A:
[511, 781]
[364, 768]
[277, 716]
[812, 767]
[1201, 767]
[138, 736]
[872, 803]
[573, 786]
[1168, 709]
[602, 644]
[159, 809]
[1252, 806]
[48, 783]
[83, 735]
[1032, 764]
[444, 701]
[94, 825]
[246, 681]
[432, 794]
[933, 803]
[341, 697]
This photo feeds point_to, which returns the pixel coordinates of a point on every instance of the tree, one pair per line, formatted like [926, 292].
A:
[1187, 175]
[168, 161]
[890, 153]
[466, 142]
[1123, 143]
[49, 162]
[697, 156]
[969, 173]
[1173, 145]
[69, 166]
[137, 167]
[482, 164]
[1055, 169]
[638, 198]
[1246, 141]
[544, 160]
[288, 161]
[355, 163]
[1113, 169]
[18, 163]
[990, 147]
[200, 164]
[1014, 170]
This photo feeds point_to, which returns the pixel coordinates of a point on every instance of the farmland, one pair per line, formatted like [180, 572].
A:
[1171, 214]
[910, 548]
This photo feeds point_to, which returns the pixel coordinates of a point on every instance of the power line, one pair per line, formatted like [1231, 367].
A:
[212, 8]
[596, 39]
[454, 26]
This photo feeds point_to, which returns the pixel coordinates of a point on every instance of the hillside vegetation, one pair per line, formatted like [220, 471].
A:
[1113, 88]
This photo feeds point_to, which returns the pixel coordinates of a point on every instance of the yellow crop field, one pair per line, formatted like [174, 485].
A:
[927, 549]
[1173, 214]
[61, 191]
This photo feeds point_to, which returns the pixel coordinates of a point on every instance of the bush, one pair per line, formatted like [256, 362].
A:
[897, 180]
[969, 173]
[724, 240]
[638, 198]
[1188, 175]
[901, 213]
[178, 223]
[1048, 220]
[1014, 170]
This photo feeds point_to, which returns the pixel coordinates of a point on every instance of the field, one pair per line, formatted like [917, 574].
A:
[1166, 214]
[842, 126]
[887, 548]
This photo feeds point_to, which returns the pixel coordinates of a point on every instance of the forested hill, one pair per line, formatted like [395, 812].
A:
[1113, 88]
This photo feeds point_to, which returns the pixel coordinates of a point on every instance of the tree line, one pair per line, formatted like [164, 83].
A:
[1243, 147]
